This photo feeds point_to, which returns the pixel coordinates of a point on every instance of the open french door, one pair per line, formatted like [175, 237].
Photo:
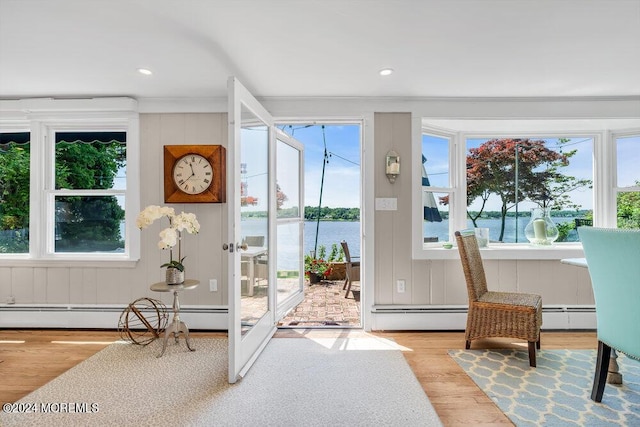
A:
[264, 231]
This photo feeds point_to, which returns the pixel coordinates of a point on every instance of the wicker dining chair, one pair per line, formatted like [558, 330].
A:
[497, 314]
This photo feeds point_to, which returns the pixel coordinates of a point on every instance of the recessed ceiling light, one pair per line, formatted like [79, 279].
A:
[144, 71]
[386, 71]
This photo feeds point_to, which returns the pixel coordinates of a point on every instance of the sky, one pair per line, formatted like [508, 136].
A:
[342, 172]
[341, 186]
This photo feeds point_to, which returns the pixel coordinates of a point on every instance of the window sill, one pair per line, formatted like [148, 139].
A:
[509, 251]
[68, 262]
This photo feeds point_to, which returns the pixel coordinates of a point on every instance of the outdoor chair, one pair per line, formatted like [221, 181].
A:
[352, 269]
[612, 257]
[261, 261]
[496, 314]
[254, 240]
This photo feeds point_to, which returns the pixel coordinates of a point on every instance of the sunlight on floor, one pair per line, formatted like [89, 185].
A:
[12, 341]
[360, 343]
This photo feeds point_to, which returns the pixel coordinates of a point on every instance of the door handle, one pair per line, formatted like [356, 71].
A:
[238, 246]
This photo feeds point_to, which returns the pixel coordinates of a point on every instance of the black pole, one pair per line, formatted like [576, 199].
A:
[324, 163]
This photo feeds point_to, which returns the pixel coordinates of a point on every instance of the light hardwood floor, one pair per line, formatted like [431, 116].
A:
[31, 358]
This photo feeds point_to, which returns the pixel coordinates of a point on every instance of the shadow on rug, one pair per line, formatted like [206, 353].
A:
[557, 392]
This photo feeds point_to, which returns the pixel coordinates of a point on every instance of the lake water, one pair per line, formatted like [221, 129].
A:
[441, 229]
[331, 232]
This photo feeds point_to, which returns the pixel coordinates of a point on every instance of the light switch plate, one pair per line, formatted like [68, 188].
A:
[386, 204]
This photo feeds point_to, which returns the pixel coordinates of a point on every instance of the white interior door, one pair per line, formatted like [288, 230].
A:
[265, 227]
[251, 222]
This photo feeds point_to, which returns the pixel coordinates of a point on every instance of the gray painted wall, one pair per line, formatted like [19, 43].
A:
[427, 281]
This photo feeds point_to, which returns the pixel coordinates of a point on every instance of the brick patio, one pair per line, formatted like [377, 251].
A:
[325, 305]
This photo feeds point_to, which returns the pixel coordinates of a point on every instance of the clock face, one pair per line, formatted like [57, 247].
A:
[192, 174]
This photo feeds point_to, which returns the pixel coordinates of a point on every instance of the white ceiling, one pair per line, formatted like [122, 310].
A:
[311, 48]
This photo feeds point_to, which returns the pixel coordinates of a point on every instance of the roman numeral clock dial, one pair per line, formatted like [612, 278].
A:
[194, 173]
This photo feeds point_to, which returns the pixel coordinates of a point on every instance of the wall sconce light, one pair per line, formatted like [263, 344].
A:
[392, 166]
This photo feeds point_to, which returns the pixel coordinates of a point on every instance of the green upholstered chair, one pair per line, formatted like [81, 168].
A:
[613, 257]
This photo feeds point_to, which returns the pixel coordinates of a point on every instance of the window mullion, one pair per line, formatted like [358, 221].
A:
[459, 174]
[604, 209]
[37, 207]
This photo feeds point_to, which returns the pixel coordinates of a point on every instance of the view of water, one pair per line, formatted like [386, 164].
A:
[441, 229]
[329, 232]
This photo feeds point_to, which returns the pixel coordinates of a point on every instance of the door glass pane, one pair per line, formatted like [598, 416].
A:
[254, 219]
[14, 192]
[289, 276]
[290, 280]
[288, 181]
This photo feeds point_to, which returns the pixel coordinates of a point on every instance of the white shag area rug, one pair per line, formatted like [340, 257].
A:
[294, 382]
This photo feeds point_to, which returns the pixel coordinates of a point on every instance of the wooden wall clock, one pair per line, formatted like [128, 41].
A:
[195, 174]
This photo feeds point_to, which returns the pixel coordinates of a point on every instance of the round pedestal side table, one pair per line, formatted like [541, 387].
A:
[176, 325]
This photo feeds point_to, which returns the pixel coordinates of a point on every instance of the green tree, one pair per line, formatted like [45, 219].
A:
[554, 193]
[280, 197]
[628, 204]
[491, 169]
[88, 223]
[14, 198]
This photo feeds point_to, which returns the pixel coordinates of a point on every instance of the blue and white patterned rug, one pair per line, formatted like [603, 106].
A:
[557, 392]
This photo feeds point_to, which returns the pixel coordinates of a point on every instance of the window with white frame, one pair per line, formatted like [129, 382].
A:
[87, 190]
[15, 156]
[436, 186]
[627, 187]
[65, 191]
[508, 177]
[500, 178]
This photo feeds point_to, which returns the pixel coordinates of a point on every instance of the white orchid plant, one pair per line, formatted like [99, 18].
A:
[170, 236]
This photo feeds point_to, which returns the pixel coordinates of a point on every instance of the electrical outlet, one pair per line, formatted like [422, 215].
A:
[213, 285]
[11, 299]
[401, 286]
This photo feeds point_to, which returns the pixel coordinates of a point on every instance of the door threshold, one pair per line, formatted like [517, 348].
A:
[317, 325]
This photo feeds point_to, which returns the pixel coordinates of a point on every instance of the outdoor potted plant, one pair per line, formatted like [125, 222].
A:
[317, 268]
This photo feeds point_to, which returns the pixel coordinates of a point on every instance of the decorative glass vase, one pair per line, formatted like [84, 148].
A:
[174, 276]
[541, 230]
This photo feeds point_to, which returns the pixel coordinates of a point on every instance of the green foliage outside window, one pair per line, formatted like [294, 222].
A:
[14, 198]
[629, 209]
[88, 223]
[83, 223]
